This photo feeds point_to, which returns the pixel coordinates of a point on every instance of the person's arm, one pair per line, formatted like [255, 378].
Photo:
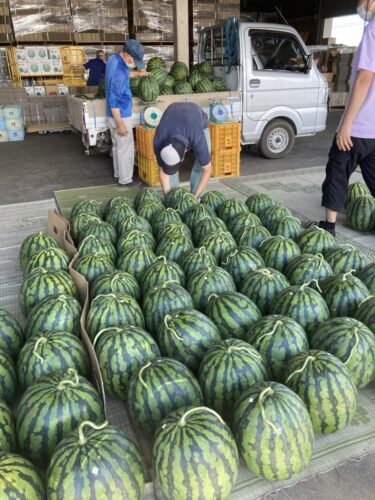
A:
[115, 92]
[205, 177]
[142, 73]
[359, 94]
[121, 128]
[164, 181]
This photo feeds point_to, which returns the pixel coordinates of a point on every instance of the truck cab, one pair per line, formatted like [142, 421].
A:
[283, 93]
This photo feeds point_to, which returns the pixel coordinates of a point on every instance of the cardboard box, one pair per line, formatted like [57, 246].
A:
[62, 90]
[35, 67]
[39, 90]
[23, 68]
[51, 89]
[29, 90]
[21, 55]
[54, 53]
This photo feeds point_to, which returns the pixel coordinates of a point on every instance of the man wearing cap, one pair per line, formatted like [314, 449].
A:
[183, 127]
[119, 108]
[96, 68]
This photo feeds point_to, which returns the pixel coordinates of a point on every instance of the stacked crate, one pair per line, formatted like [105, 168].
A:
[6, 35]
[225, 149]
[12, 127]
[148, 169]
[5, 77]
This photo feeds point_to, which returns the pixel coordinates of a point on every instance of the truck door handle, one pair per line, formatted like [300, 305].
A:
[254, 83]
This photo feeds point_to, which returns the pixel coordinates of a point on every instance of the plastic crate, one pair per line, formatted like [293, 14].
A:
[16, 135]
[226, 163]
[148, 171]
[225, 136]
[145, 137]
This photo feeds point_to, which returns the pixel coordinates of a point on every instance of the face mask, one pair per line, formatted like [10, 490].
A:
[363, 14]
[131, 66]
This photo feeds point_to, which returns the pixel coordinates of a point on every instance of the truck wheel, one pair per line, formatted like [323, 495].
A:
[277, 140]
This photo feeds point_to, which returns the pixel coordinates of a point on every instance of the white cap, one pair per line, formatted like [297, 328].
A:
[170, 156]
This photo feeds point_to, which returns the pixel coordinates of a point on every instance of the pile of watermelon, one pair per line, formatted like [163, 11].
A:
[360, 208]
[177, 81]
[223, 325]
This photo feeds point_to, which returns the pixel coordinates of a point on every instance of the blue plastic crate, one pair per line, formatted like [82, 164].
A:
[3, 125]
[16, 135]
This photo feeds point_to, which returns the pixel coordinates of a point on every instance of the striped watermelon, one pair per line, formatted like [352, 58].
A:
[118, 282]
[136, 238]
[273, 431]
[256, 203]
[367, 276]
[48, 258]
[11, 334]
[203, 283]
[162, 300]
[213, 199]
[43, 283]
[148, 89]
[315, 240]
[219, 84]
[169, 81]
[366, 313]
[202, 430]
[278, 251]
[207, 226]
[219, 244]
[19, 478]
[194, 78]
[117, 201]
[92, 207]
[343, 294]
[351, 342]
[236, 226]
[147, 196]
[60, 313]
[262, 285]
[174, 247]
[134, 222]
[306, 268]
[100, 448]
[204, 86]
[326, 387]
[54, 351]
[360, 213]
[134, 85]
[289, 227]
[345, 258]
[253, 236]
[240, 261]
[135, 261]
[171, 230]
[7, 430]
[155, 63]
[117, 214]
[303, 304]
[51, 408]
[182, 88]
[92, 244]
[79, 222]
[160, 75]
[100, 229]
[149, 210]
[167, 89]
[185, 335]
[172, 197]
[159, 387]
[232, 313]
[355, 191]
[206, 69]
[93, 265]
[185, 202]
[277, 338]
[121, 352]
[231, 209]
[195, 214]
[195, 260]
[34, 244]
[163, 217]
[227, 369]
[272, 213]
[179, 71]
[159, 272]
[113, 311]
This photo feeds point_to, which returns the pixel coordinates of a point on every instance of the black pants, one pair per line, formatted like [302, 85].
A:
[341, 165]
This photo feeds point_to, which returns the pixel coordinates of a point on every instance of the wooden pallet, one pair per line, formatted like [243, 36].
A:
[48, 127]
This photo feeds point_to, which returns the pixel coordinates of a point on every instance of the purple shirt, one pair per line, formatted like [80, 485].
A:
[364, 123]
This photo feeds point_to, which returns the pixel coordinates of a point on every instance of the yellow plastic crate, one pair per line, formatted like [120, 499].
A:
[148, 171]
[145, 137]
[226, 163]
[225, 136]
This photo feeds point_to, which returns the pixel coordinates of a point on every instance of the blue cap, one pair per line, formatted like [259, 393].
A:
[136, 50]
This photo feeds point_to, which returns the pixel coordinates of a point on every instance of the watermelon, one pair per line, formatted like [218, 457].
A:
[182, 87]
[213, 199]
[19, 478]
[48, 258]
[194, 78]
[240, 261]
[202, 430]
[195, 214]
[256, 203]
[160, 75]
[185, 335]
[273, 431]
[278, 251]
[8, 377]
[161, 271]
[162, 300]
[134, 222]
[253, 236]
[315, 240]
[136, 238]
[117, 201]
[206, 69]
[92, 207]
[237, 225]
[366, 313]
[289, 227]
[173, 196]
[11, 334]
[233, 313]
[121, 352]
[174, 247]
[117, 282]
[166, 89]
[360, 213]
[207, 226]
[51, 408]
[91, 266]
[100, 229]
[135, 261]
[219, 244]
[117, 214]
[169, 82]
[100, 448]
[158, 388]
[53, 351]
[203, 283]
[79, 222]
[227, 369]
[303, 304]
[147, 196]
[179, 71]
[355, 191]
[343, 294]
[272, 213]
[326, 387]
[367, 276]
[262, 285]
[306, 268]
[113, 310]
[351, 342]
[277, 338]
[185, 202]
[219, 84]
[345, 258]
[149, 209]
[91, 244]
[230, 209]
[43, 283]
[195, 260]
[204, 86]
[172, 230]
[34, 244]
[148, 89]
[163, 217]
[134, 85]
[155, 63]
[7, 433]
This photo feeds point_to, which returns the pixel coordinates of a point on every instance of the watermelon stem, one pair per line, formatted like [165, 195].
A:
[272, 332]
[99, 334]
[167, 318]
[321, 260]
[182, 421]
[348, 274]
[112, 295]
[300, 370]
[202, 250]
[265, 272]
[41, 340]
[245, 349]
[81, 435]
[267, 391]
[212, 296]
[74, 383]
[305, 285]
[230, 256]
[162, 258]
[144, 367]
[63, 299]
[355, 333]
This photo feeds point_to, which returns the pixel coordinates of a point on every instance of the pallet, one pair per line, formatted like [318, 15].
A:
[48, 127]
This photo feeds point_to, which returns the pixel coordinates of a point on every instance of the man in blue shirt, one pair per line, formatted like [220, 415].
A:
[119, 108]
[96, 69]
[183, 127]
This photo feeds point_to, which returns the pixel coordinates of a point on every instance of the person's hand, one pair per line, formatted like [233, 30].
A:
[344, 138]
[144, 73]
[122, 130]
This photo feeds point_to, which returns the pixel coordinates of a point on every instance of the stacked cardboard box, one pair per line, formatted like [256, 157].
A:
[153, 20]
[39, 60]
[6, 35]
[5, 78]
[343, 70]
[212, 12]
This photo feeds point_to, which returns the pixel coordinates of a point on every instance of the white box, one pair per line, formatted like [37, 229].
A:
[42, 53]
[29, 90]
[46, 67]
[35, 68]
[39, 90]
[3, 136]
[56, 67]
[21, 55]
[23, 68]
[14, 124]
[62, 90]
[31, 53]
[54, 54]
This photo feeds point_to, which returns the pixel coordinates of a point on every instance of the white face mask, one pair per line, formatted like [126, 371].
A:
[364, 14]
[131, 66]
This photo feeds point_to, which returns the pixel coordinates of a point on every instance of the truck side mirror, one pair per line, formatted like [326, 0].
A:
[309, 63]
